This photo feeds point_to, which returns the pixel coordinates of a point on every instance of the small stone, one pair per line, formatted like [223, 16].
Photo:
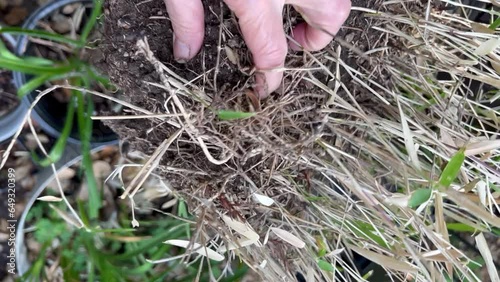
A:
[4, 237]
[27, 183]
[101, 169]
[61, 24]
[10, 3]
[42, 2]
[124, 23]
[4, 4]
[16, 16]
[349, 37]
[70, 9]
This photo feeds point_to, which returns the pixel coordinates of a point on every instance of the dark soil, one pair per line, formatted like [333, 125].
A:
[127, 21]
[8, 95]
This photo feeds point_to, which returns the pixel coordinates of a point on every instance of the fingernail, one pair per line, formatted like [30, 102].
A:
[181, 51]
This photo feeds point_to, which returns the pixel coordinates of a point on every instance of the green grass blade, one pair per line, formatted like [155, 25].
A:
[326, 266]
[182, 211]
[495, 231]
[37, 61]
[33, 84]
[41, 34]
[57, 151]
[29, 68]
[495, 24]
[96, 12]
[460, 227]
[419, 197]
[146, 245]
[232, 115]
[7, 55]
[39, 80]
[85, 132]
[452, 169]
[238, 275]
[83, 213]
[367, 231]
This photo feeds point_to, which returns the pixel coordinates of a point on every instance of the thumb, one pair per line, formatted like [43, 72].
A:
[262, 28]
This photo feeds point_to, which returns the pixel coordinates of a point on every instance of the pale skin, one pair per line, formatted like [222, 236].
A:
[262, 28]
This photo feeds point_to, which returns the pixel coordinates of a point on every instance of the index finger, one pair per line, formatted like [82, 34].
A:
[262, 28]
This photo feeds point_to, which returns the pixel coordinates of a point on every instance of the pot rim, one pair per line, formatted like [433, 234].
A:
[20, 78]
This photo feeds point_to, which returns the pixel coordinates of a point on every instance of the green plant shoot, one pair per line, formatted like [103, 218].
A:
[232, 115]
[451, 170]
[419, 197]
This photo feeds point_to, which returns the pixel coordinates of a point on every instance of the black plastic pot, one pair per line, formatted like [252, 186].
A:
[49, 113]
[10, 122]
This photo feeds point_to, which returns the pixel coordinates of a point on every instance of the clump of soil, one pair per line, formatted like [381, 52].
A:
[224, 161]
[128, 21]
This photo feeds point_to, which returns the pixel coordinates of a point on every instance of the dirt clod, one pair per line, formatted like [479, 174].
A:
[213, 158]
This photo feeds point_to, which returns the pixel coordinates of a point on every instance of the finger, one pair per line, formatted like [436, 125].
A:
[262, 28]
[188, 21]
[323, 20]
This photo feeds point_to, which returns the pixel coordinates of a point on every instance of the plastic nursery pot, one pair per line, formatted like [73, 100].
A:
[13, 118]
[43, 178]
[49, 112]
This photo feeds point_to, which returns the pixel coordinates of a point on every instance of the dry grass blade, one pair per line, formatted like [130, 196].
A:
[408, 137]
[441, 226]
[149, 166]
[478, 210]
[484, 249]
[204, 251]
[49, 199]
[288, 237]
[241, 228]
[386, 261]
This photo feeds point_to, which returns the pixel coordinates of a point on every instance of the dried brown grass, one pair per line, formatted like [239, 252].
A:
[327, 155]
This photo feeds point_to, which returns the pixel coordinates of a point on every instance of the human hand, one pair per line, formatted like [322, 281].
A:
[262, 27]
